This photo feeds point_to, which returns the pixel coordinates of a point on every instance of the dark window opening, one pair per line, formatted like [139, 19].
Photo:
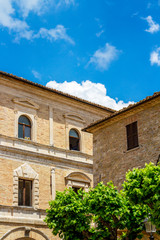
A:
[24, 127]
[74, 140]
[75, 189]
[132, 135]
[24, 192]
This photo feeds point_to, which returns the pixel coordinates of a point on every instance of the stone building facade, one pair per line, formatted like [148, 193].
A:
[42, 149]
[126, 139]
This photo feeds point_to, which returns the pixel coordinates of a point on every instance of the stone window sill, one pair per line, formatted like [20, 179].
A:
[25, 207]
[131, 150]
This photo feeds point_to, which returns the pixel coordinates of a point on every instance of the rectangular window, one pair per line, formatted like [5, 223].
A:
[24, 192]
[132, 135]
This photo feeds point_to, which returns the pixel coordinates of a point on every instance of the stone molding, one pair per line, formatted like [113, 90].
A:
[75, 117]
[28, 108]
[79, 180]
[26, 102]
[21, 232]
[53, 183]
[26, 172]
[41, 151]
[74, 121]
[33, 119]
[51, 126]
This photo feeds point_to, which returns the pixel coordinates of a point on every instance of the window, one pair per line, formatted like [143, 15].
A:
[75, 189]
[74, 140]
[24, 192]
[78, 180]
[26, 186]
[132, 135]
[24, 127]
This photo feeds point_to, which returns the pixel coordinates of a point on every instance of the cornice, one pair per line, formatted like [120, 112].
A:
[40, 145]
[124, 113]
[56, 92]
[23, 155]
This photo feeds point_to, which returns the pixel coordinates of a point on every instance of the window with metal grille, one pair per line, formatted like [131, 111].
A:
[24, 192]
[24, 127]
[132, 135]
[74, 140]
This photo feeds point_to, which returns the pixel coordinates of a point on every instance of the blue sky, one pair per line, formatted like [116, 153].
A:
[106, 51]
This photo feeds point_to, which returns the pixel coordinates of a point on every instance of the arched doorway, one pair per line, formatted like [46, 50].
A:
[25, 233]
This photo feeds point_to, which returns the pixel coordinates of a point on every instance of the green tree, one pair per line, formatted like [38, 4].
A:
[67, 216]
[97, 214]
[112, 210]
[142, 186]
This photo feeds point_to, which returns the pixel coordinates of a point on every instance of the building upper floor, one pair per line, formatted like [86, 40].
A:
[37, 118]
[128, 138]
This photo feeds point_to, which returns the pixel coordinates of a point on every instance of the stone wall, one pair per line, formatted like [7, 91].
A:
[111, 157]
[49, 114]
[46, 159]
[13, 231]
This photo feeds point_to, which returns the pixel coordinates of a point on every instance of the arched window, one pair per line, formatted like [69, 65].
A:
[24, 127]
[74, 140]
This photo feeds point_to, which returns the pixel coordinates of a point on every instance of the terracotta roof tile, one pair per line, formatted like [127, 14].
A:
[57, 92]
[155, 95]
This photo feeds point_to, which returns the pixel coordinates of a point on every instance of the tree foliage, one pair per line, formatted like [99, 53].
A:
[67, 215]
[142, 186]
[97, 214]
[104, 210]
[112, 210]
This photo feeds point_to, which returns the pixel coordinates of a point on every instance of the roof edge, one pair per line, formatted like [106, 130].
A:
[57, 92]
[123, 110]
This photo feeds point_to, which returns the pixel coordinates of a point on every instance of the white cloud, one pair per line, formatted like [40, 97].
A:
[99, 33]
[153, 26]
[100, 26]
[20, 28]
[36, 74]
[155, 57]
[103, 57]
[134, 14]
[37, 6]
[7, 20]
[67, 2]
[61, 3]
[59, 32]
[94, 92]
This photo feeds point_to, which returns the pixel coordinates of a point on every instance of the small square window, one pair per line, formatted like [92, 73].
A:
[24, 192]
[132, 135]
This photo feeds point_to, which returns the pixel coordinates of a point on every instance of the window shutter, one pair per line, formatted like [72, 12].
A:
[132, 135]
[25, 193]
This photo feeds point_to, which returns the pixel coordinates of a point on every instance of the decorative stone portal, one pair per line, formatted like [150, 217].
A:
[25, 233]
[26, 172]
[78, 180]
